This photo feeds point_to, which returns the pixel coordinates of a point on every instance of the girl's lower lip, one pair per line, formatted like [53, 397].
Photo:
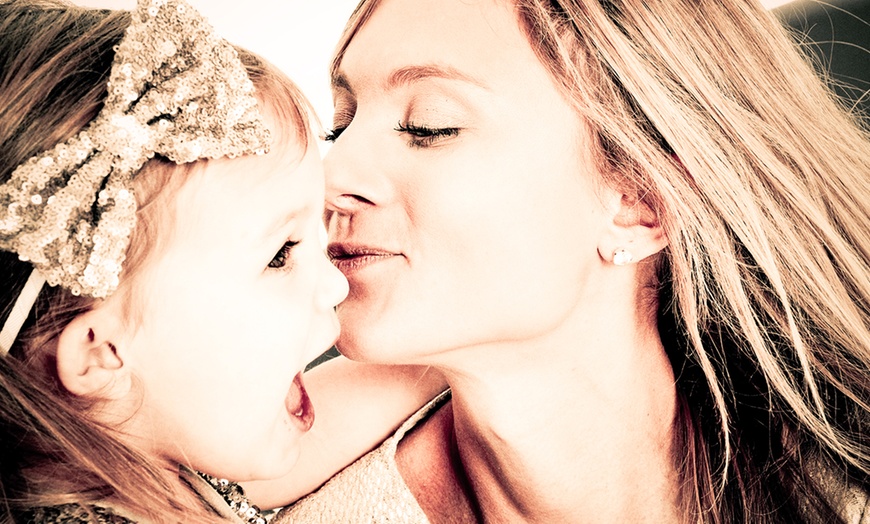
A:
[298, 405]
[352, 263]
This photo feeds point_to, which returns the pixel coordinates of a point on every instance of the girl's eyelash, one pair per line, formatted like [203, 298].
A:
[282, 257]
[424, 136]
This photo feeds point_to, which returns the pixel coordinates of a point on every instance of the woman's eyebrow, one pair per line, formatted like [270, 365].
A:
[410, 74]
[339, 81]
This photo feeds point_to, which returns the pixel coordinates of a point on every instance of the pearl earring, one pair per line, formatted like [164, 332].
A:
[622, 257]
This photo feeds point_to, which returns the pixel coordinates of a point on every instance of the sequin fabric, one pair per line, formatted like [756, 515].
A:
[234, 495]
[177, 90]
[371, 490]
[226, 498]
[74, 514]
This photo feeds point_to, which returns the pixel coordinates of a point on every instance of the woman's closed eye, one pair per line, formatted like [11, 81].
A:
[332, 135]
[282, 258]
[425, 136]
[345, 110]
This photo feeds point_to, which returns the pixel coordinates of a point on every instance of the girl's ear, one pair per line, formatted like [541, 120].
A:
[634, 232]
[88, 361]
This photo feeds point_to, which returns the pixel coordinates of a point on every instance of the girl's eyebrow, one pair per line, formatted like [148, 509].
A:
[279, 226]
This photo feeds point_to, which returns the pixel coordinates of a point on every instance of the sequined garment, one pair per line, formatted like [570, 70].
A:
[234, 495]
[227, 499]
[73, 514]
[369, 491]
[176, 89]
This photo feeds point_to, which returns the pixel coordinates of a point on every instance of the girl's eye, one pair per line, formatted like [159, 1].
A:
[282, 257]
[423, 136]
[333, 134]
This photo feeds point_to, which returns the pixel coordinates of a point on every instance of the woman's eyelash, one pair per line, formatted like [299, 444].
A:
[282, 257]
[421, 136]
[333, 134]
[424, 136]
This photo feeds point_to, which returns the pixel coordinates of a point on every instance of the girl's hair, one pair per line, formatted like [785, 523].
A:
[761, 179]
[54, 64]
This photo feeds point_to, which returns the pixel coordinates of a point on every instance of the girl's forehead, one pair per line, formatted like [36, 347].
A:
[287, 115]
[253, 192]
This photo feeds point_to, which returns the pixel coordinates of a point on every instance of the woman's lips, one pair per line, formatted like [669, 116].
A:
[349, 257]
[298, 405]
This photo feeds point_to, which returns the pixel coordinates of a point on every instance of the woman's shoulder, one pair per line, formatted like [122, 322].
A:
[856, 507]
[850, 500]
[420, 417]
[369, 490]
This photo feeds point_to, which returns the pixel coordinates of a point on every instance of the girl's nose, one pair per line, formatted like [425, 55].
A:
[333, 284]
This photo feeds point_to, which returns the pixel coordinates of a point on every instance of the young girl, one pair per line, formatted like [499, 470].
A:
[163, 279]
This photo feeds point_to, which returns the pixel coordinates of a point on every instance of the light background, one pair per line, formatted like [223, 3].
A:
[298, 36]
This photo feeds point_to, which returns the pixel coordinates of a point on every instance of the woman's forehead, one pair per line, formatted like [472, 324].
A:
[460, 37]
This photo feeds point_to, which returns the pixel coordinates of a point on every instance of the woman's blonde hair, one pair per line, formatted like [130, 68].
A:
[54, 64]
[708, 112]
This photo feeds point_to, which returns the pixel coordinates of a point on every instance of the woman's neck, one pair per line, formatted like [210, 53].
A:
[573, 427]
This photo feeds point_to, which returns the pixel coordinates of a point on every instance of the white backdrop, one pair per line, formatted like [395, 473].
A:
[296, 35]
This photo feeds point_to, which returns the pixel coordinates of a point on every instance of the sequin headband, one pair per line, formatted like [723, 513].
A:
[177, 90]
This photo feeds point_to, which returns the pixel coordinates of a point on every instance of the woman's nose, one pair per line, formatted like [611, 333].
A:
[353, 179]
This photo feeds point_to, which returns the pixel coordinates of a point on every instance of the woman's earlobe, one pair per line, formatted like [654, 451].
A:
[88, 363]
[634, 233]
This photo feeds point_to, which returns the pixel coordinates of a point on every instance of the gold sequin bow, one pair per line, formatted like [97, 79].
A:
[177, 90]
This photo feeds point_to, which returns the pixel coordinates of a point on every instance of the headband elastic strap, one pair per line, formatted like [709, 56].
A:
[20, 311]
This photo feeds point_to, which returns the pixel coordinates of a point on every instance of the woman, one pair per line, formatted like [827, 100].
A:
[633, 236]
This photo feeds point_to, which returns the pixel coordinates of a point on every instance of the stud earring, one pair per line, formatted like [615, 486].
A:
[622, 257]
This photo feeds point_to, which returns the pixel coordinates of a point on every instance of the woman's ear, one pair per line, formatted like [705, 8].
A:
[88, 361]
[634, 232]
